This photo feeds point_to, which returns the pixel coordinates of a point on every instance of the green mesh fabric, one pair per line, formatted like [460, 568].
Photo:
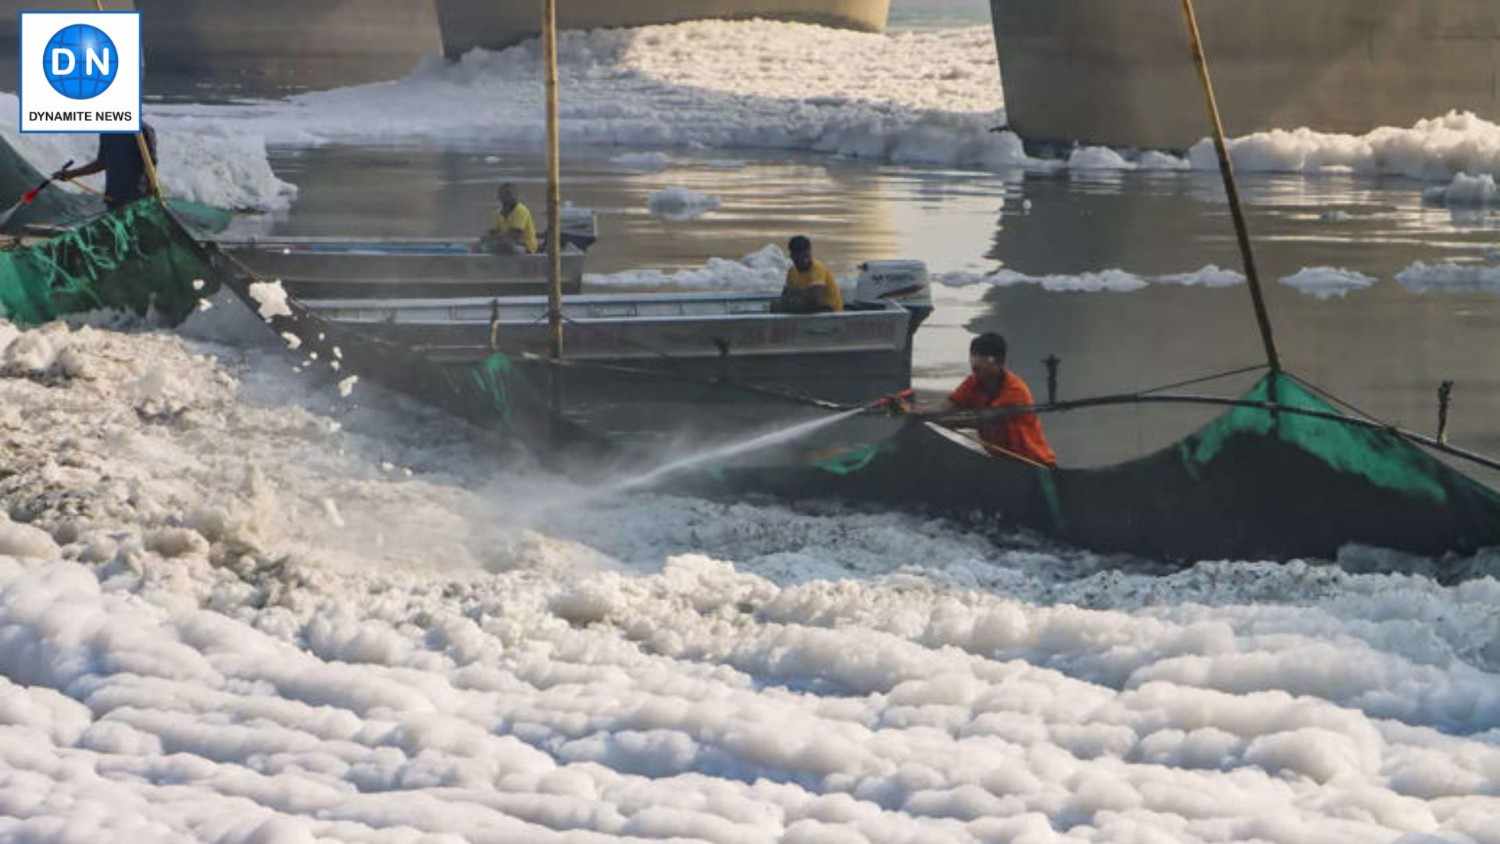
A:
[133, 259]
[848, 461]
[51, 206]
[1380, 457]
[489, 377]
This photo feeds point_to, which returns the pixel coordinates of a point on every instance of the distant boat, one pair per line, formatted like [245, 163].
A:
[412, 267]
[338, 267]
[617, 341]
[495, 25]
[1119, 73]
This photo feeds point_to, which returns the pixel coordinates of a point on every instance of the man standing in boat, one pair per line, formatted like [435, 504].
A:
[513, 230]
[810, 287]
[119, 158]
[991, 385]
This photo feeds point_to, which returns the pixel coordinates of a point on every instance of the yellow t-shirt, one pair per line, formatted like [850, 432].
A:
[518, 220]
[817, 276]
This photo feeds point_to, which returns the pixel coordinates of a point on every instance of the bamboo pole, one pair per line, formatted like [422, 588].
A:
[554, 210]
[140, 141]
[554, 215]
[1226, 169]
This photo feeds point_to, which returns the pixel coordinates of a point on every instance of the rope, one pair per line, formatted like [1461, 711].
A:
[1335, 399]
[1241, 371]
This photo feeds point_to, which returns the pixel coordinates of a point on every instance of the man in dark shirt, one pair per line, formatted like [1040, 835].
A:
[124, 173]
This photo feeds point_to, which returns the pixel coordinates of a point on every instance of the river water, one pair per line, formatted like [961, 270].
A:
[1385, 348]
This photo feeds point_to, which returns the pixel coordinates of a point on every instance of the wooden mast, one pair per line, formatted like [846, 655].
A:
[554, 213]
[554, 210]
[1226, 169]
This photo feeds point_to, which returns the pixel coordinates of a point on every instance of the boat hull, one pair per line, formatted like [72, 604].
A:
[466, 24]
[1248, 486]
[650, 364]
[1121, 73]
[335, 268]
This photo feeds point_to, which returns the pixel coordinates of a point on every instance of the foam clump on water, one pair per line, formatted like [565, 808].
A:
[1111, 280]
[1327, 282]
[765, 269]
[1434, 149]
[1449, 277]
[679, 203]
[1464, 191]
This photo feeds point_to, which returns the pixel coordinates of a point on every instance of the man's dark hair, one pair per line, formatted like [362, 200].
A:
[800, 243]
[988, 344]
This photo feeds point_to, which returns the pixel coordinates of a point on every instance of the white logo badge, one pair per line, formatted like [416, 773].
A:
[80, 72]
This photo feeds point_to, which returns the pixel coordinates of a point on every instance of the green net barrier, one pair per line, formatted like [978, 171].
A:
[848, 461]
[490, 377]
[1380, 457]
[52, 206]
[58, 206]
[134, 259]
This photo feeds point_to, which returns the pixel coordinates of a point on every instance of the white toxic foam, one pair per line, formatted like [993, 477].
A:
[1464, 191]
[1449, 277]
[1435, 149]
[679, 203]
[1327, 282]
[927, 98]
[228, 617]
[764, 269]
[1110, 280]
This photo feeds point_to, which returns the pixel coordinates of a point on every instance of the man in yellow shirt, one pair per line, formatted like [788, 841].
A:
[513, 230]
[810, 287]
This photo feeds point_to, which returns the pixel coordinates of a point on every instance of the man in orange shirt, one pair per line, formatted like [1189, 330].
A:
[810, 287]
[993, 386]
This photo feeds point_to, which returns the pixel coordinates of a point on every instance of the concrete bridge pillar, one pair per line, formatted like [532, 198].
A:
[301, 43]
[1119, 72]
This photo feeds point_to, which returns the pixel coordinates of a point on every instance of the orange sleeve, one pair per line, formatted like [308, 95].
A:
[1023, 432]
[1017, 392]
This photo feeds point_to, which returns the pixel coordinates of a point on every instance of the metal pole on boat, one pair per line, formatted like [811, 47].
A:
[1226, 169]
[554, 202]
[140, 142]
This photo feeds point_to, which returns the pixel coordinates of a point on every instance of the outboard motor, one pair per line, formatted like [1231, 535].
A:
[902, 282]
[580, 226]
